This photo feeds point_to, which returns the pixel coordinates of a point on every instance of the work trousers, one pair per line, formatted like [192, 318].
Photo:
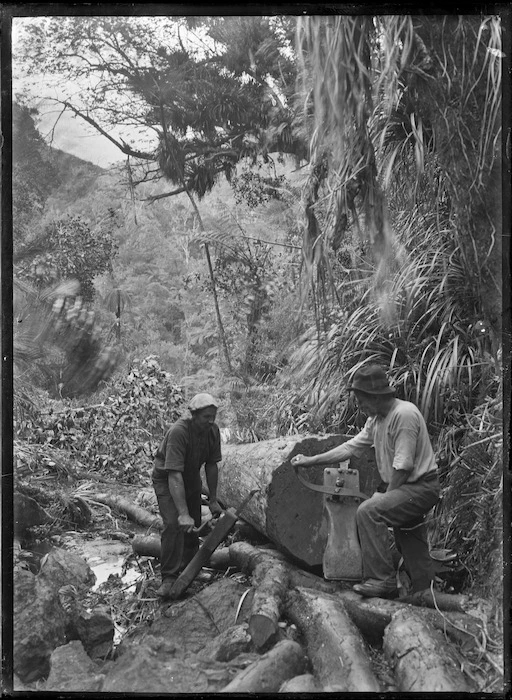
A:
[176, 547]
[398, 509]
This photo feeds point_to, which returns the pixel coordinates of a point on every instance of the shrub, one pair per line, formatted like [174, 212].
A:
[118, 435]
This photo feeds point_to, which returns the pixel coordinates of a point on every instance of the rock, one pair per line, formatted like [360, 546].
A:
[229, 644]
[27, 513]
[39, 625]
[192, 623]
[73, 670]
[152, 668]
[95, 630]
[40, 622]
[63, 567]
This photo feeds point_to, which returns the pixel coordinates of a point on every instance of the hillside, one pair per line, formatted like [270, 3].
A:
[76, 178]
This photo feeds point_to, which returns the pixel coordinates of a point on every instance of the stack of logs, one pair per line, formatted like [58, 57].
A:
[420, 635]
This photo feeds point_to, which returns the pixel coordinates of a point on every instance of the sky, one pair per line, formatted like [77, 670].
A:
[63, 131]
[73, 136]
[66, 131]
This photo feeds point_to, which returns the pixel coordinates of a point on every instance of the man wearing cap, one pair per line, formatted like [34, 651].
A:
[188, 445]
[407, 465]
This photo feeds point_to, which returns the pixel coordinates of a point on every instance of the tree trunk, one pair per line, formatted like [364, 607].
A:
[420, 657]
[270, 580]
[284, 510]
[245, 557]
[133, 512]
[306, 683]
[335, 646]
[443, 601]
[373, 615]
[146, 545]
[267, 674]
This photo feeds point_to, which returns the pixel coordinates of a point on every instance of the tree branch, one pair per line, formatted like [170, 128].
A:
[155, 197]
[121, 145]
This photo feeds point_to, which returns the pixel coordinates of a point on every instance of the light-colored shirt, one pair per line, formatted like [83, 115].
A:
[400, 439]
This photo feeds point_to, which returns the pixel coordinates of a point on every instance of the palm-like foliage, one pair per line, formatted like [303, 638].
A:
[421, 327]
[400, 154]
[403, 112]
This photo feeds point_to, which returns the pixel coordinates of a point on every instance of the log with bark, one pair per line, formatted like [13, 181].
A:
[146, 545]
[306, 683]
[245, 556]
[335, 647]
[421, 659]
[373, 615]
[131, 510]
[439, 600]
[267, 674]
[270, 581]
[285, 511]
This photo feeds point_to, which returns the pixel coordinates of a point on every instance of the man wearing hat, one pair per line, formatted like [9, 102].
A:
[188, 445]
[407, 465]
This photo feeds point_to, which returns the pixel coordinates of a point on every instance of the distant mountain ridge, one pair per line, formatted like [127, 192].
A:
[76, 178]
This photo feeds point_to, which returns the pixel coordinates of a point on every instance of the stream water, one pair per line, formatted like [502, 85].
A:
[105, 557]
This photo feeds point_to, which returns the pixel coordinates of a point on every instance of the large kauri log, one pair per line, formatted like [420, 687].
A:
[284, 510]
[420, 657]
[335, 646]
[267, 674]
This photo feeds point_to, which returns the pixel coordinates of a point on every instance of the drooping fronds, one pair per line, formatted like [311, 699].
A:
[434, 356]
[338, 75]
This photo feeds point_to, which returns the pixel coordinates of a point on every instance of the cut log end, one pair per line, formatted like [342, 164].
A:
[262, 629]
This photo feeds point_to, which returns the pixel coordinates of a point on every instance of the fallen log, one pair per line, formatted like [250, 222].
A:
[306, 683]
[284, 510]
[244, 556]
[373, 615]
[270, 583]
[420, 657]
[439, 600]
[335, 646]
[133, 512]
[267, 674]
[146, 545]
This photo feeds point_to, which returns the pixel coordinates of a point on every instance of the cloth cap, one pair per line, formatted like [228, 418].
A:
[200, 401]
[372, 380]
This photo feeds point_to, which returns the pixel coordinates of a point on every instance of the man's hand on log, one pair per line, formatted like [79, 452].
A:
[301, 460]
[186, 523]
[215, 508]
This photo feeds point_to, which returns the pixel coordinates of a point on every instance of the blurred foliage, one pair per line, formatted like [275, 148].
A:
[57, 343]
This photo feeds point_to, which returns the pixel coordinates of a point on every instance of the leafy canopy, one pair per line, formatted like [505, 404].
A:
[196, 99]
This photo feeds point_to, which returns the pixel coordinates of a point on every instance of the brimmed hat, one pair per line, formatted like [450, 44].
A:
[200, 401]
[372, 380]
